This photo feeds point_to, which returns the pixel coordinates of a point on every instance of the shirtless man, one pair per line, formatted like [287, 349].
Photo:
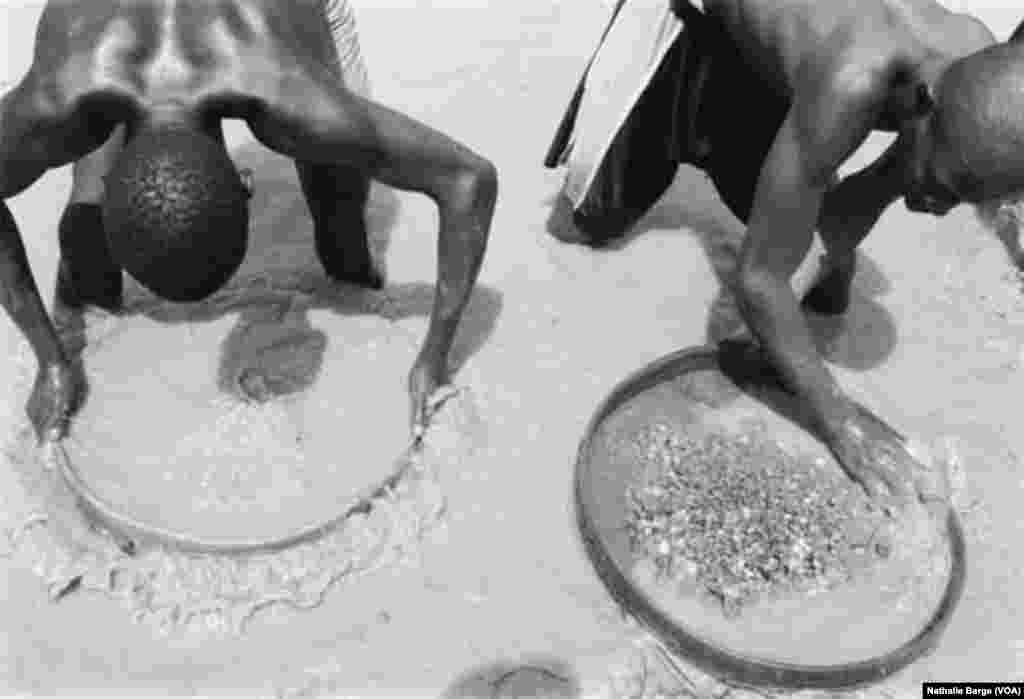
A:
[175, 213]
[950, 92]
[793, 88]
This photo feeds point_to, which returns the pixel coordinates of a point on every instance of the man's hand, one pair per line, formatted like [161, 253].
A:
[57, 393]
[874, 456]
[424, 380]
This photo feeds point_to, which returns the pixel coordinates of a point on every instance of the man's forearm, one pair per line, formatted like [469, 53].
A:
[465, 222]
[20, 295]
[773, 314]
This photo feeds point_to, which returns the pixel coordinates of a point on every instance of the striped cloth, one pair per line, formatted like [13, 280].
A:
[629, 55]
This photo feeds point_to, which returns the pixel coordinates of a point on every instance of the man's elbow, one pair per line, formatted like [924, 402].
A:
[475, 186]
[749, 280]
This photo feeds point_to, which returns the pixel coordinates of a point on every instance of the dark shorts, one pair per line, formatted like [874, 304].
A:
[705, 107]
[739, 118]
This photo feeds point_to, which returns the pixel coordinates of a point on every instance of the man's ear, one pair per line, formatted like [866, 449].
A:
[909, 99]
[1018, 33]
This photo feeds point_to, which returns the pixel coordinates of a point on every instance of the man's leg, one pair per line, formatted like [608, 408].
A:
[850, 211]
[87, 274]
[337, 195]
[830, 293]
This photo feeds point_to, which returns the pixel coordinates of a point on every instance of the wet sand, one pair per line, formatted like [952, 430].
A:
[938, 352]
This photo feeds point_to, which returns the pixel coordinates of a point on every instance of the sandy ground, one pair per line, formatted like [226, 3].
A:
[939, 352]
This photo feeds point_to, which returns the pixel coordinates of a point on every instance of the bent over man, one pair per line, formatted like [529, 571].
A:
[135, 90]
[770, 98]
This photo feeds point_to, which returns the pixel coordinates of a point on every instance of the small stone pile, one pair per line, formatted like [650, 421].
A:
[738, 517]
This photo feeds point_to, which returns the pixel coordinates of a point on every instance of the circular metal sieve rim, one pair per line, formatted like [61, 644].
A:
[123, 526]
[130, 531]
[710, 657]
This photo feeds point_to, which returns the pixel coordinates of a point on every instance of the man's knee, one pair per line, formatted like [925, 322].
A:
[88, 274]
[331, 187]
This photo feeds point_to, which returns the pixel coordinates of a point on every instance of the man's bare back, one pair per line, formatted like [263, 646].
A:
[212, 60]
[149, 66]
[786, 39]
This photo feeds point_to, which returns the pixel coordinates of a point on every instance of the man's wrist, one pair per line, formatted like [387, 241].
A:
[831, 411]
[49, 358]
[46, 345]
[432, 355]
[839, 422]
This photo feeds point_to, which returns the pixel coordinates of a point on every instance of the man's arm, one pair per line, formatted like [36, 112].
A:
[820, 132]
[321, 122]
[23, 159]
[779, 235]
[849, 212]
[20, 295]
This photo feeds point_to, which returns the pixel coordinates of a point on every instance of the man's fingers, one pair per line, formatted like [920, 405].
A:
[40, 425]
[894, 465]
[930, 475]
[931, 486]
[418, 416]
[56, 427]
[51, 432]
[50, 424]
[873, 486]
[419, 427]
[898, 484]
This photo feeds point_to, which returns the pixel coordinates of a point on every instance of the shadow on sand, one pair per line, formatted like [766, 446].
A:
[860, 339]
[534, 677]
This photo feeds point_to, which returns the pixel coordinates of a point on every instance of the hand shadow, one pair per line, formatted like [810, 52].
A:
[860, 339]
[280, 266]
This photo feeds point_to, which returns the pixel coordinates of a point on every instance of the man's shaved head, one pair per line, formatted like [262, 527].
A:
[176, 212]
[980, 115]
